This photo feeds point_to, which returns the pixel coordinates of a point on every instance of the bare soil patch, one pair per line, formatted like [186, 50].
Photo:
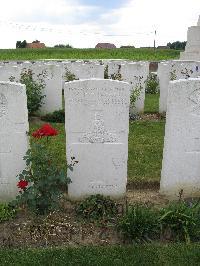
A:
[63, 228]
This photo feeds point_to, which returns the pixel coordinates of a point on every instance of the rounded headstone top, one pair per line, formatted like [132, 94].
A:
[198, 23]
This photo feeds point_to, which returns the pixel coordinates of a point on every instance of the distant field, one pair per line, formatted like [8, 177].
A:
[58, 53]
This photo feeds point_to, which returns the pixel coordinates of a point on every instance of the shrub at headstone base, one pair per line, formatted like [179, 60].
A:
[42, 183]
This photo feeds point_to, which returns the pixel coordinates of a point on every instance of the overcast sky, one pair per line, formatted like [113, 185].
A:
[84, 23]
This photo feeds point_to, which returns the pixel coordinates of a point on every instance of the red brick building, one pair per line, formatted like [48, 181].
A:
[36, 45]
[105, 45]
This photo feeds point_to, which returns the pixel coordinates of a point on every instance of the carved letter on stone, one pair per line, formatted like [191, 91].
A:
[3, 105]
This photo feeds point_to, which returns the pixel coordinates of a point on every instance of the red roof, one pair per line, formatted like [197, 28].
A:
[105, 45]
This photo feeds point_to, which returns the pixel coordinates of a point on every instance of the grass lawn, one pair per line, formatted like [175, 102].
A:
[58, 53]
[151, 103]
[145, 150]
[173, 254]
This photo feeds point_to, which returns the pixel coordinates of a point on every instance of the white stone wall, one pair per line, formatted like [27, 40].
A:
[97, 125]
[13, 137]
[181, 155]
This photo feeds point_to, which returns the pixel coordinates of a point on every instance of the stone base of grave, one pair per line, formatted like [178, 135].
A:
[190, 56]
[182, 191]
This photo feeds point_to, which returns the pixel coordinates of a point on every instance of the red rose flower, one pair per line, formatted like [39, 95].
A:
[22, 184]
[45, 131]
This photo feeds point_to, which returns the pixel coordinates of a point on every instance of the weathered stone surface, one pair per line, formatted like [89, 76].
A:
[9, 72]
[181, 155]
[97, 123]
[192, 49]
[136, 74]
[82, 70]
[52, 76]
[174, 70]
[13, 138]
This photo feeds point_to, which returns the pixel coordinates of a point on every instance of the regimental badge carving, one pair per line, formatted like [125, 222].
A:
[3, 105]
[98, 133]
[194, 97]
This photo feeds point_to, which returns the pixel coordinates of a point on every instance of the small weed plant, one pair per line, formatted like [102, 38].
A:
[96, 208]
[139, 224]
[69, 76]
[6, 212]
[152, 84]
[55, 117]
[181, 221]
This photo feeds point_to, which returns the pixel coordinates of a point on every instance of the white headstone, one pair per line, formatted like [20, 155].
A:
[9, 72]
[114, 68]
[174, 70]
[136, 74]
[198, 23]
[13, 138]
[83, 71]
[97, 124]
[181, 155]
[51, 74]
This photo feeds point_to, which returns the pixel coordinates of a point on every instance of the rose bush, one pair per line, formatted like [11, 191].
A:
[42, 182]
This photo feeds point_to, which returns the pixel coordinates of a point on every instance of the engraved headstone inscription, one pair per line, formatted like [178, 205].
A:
[13, 138]
[181, 155]
[97, 123]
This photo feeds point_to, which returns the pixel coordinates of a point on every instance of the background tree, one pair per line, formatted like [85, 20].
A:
[20, 44]
[177, 45]
[63, 46]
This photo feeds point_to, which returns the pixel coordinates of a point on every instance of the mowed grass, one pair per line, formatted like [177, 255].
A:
[151, 103]
[145, 151]
[173, 254]
[58, 53]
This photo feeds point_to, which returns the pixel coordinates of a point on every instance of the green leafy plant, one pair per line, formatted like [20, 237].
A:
[140, 223]
[106, 72]
[116, 76]
[172, 74]
[152, 84]
[42, 182]
[96, 207]
[181, 221]
[55, 117]
[69, 76]
[34, 90]
[135, 94]
[6, 212]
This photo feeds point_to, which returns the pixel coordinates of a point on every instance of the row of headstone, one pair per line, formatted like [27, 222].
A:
[174, 70]
[55, 73]
[97, 123]
[50, 76]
